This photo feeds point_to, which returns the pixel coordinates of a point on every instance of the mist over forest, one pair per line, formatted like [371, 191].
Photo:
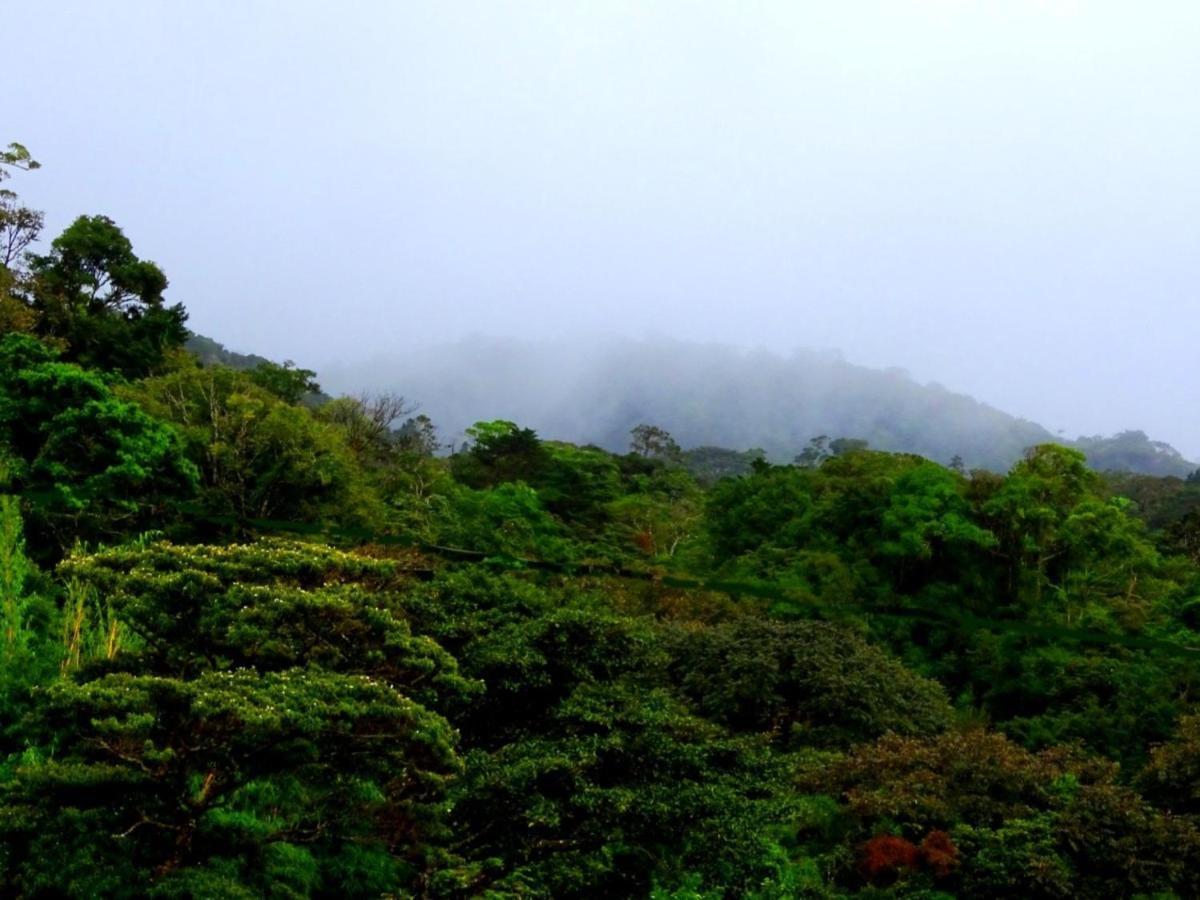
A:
[710, 394]
[331, 570]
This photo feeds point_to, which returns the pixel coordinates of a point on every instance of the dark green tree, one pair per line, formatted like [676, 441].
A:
[622, 788]
[287, 382]
[500, 451]
[102, 303]
[807, 683]
[87, 465]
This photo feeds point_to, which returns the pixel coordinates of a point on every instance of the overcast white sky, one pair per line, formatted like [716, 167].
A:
[1001, 196]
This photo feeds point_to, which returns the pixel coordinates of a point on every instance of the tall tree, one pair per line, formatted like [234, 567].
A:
[19, 227]
[102, 302]
[653, 442]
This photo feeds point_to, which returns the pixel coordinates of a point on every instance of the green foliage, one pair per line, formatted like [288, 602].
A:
[659, 513]
[87, 465]
[808, 683]
[928, 515]
[508, 520]
[572, 735]
[14, 572]
[1041, 545]
[227, 773]
[573, 484]
[499, 452]
[1029, 511]
[530, 646]
[625, 787]
[578, 483]
[1159, 502]
[524, 698]
[1114, 703]
[103, 304]
[16, 156]
[1019, 858]
[259, 457]
[288, 383]
[213, 353]
[774, 505]
[265, 735]
[26, 654]
[267, 607]
[263, 562]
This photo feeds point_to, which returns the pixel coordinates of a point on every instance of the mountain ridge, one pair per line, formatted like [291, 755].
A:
[715, 395]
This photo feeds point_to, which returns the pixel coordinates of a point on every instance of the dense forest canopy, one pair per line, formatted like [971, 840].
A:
[256, 641]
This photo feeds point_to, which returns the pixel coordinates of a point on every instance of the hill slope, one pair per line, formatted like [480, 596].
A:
[715, 395]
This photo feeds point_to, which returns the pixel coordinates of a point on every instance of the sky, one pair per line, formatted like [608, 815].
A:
[1002, 196]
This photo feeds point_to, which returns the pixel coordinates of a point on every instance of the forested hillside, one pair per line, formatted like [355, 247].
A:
[713, 395]
[255, 644]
